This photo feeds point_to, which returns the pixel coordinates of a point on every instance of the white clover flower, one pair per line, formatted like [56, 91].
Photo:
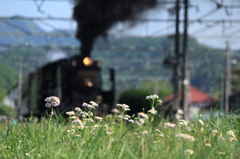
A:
[190, 151]
[141, 114]
[84, 114]
[81, 126]
[125, 107]
[201, 122]
[106, 126]
[48, 105]
[70, 113]
[76, 121]
[233, 138]
[230, 132]
[168, 124]
[161, 134]
[220, 153]
[98, 118]
[185, 136]
[127, 116]
[152, 111]
[208, 144]
[77, 109]
[152, 97]
[141, 122]
[119, 105]
[96, 126]
[73, 117]
[145, 132]
[115, 111]
[108, 132]
[131, 121]
[182, 122]
[53, 101]
[93, 103]
[160, 102]
[28, 154]
[89, 120]
[214, 131]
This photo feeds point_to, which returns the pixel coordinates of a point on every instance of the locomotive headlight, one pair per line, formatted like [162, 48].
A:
[88, 82]
[87, 61]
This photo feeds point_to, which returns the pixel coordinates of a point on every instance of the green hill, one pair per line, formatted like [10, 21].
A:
[8, 77]
[21, 32]
[135, 59]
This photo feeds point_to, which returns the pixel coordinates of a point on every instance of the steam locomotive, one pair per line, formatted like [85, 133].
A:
[74, 80]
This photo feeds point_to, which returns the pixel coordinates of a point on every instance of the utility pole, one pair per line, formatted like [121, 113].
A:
[227, 78]
[176, 65]
[185, 76]
[19, 100]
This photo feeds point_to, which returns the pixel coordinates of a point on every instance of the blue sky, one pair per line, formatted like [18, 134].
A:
[61, 8]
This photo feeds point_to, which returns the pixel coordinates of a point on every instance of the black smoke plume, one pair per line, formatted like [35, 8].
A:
[95, 17]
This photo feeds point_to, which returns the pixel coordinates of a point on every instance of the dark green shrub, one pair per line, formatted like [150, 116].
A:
[136, 99]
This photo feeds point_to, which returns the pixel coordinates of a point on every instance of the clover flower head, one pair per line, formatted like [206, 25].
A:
[73, 117]
[141, 114]
[233, 138]
[52, 101]
[127, 116]
[220, 153]
[152, 111]
[76, 121]
[201, 122]
[190, 151]
[208, 144]
[89, 120]
[98, 118]
[182, 122]
[28, 154]
[70, 113]
[77, 109]
[131, 121]
[115, 111]
[145, 132]
[168, 124]
[81, 126]
[96, 126]
[108, 132]
[152, 97]
[160, 102]
[214, 131]
[230, 132]
[83, 114]
[93, 103]
[141, 122]
[48, 105]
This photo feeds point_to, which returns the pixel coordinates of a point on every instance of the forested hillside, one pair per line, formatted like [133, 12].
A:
[8, 77]
[138, 61]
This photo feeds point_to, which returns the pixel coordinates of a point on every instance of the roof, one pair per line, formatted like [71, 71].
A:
[195, 96]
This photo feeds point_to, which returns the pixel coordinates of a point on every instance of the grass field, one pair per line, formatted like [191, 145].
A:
[120, 136]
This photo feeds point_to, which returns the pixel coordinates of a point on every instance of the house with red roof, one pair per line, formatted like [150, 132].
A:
[197, 100]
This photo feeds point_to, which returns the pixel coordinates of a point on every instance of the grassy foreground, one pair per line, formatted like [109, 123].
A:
[120, 136]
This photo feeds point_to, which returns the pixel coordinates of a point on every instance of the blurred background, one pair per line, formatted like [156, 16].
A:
[140, 48]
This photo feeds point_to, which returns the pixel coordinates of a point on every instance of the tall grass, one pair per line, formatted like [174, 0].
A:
[119, 136]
